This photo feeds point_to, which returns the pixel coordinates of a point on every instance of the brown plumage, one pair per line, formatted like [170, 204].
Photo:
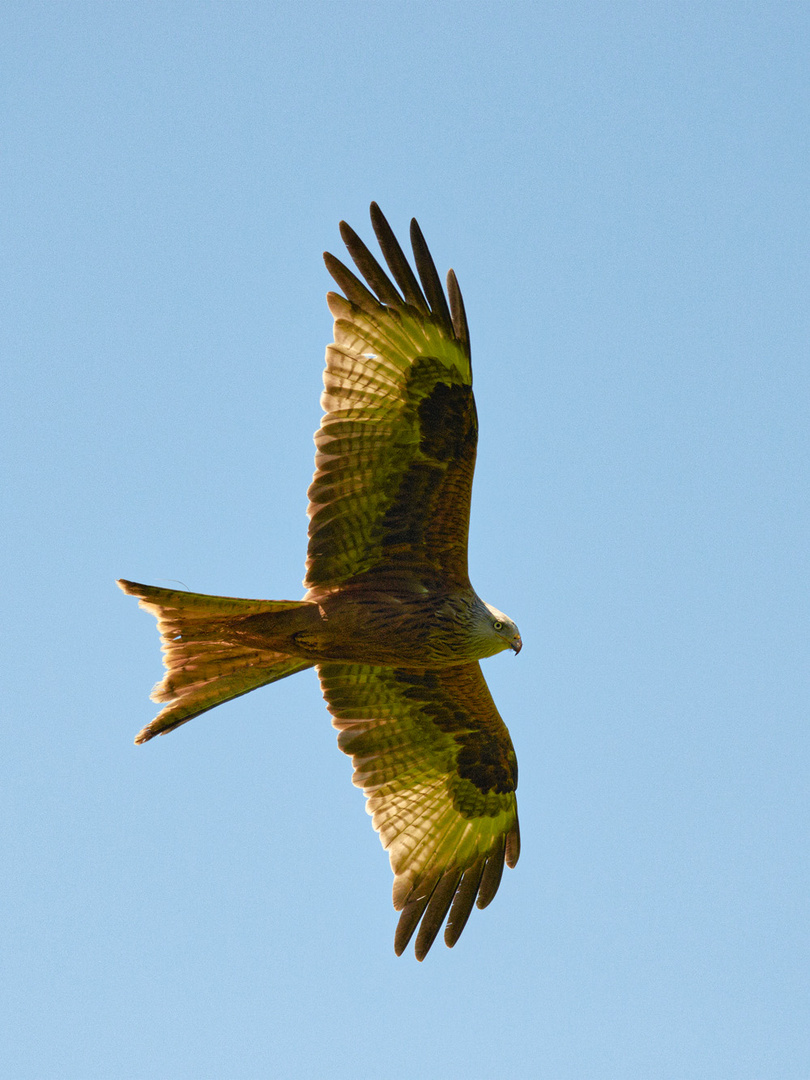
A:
[389, 618]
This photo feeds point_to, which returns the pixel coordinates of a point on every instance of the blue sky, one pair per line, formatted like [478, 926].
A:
[622, 191]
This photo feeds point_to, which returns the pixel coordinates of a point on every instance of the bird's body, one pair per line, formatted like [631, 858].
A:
[409, 628]
[389, 618]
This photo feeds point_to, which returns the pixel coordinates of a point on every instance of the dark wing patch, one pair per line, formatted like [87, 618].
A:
[438, 769]
[447, 422]
[484, 757]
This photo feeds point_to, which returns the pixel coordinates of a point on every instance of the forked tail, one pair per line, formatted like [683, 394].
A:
[206, 662]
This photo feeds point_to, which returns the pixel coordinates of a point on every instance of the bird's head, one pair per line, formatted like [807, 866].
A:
[496, 631]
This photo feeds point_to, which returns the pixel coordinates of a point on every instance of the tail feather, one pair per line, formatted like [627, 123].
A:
[205, 662]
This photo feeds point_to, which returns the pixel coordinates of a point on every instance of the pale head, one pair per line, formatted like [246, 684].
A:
[493, 631]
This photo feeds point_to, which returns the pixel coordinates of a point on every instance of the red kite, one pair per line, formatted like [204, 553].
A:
[389, 620]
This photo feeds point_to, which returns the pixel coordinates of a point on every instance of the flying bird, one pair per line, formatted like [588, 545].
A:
[389, 620]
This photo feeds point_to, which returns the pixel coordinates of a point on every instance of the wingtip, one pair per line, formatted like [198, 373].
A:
[512, 853]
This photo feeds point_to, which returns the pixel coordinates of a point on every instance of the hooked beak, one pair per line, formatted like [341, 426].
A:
[516, 644]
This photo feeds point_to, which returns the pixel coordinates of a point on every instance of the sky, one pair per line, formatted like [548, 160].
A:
[622, 191]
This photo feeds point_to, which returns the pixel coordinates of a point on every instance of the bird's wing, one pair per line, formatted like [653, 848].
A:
[439, 772]
[396, 446]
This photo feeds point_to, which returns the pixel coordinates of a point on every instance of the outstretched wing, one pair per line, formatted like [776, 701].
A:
[439, 772]
[396, 446]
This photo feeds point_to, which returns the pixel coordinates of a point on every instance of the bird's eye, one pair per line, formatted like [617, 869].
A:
[498, 625]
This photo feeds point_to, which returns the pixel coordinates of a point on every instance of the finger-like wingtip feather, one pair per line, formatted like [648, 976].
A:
[352, 286]
[463, 902]
[411, 914]
[513, 845]
[369, 267]
[493, 871]
[435, 912]
[397, 263]
[429, 278]
[457, 312]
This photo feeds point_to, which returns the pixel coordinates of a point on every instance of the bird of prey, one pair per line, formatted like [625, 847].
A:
[390, 620]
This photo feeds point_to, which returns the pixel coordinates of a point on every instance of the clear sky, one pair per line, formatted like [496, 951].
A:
[622, 189]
